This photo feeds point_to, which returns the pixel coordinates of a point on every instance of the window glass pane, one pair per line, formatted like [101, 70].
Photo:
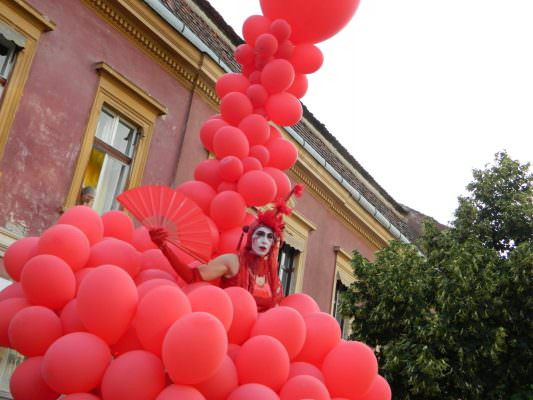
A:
[124, 138]
[287, 263]
[112, 180]
[105, 127]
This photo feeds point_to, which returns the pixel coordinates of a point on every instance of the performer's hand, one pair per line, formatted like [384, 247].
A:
[159, 236]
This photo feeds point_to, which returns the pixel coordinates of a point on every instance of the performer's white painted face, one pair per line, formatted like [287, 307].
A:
[262, 241]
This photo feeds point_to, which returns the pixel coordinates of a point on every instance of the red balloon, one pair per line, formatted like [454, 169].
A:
[213, 300]
[230, 168]
[27, 383]
[263, 359]
[379, 390]
[181, 392]
[12, 291]
[18, 254]
[233, 350]
[8, 309]
[208, 130]
[277, 76]
[118, 253]
[231, 82]
[147, 274]
[284, 324]
[117, 224]
[33, 329]
[254, 26]
[230, 141]
[303, 368]
[266, 45]
[85, 219]
[227, 186]
[256, 129]
[251, 164]
[284, 109]
[299, 86]
[137, 374]
[157, 311]
[227, 210]
[155, 259]
[107, 299]
[48, 281]
[208, 171]
[244, 54]
[306, 58]
[261, 153]
[146, 287]
[248, 69]
[280, 29]
[274, 133]
[285, 50]
[257, 94]
[70, 319]
[304, 387]
[234, 107]
[301, 302]
[80, 396]
[255, 77]
[229, 241]
[194, 348]
[244, 315]
[257, 188]
[199, 192]
[323, 334]
[311, 20]
[128, 342]
[283, 154]
[254, 391]
[283, 183]
[349, 369]
[141, 240]
[215, 235]
[66, 242]
[75, 363]
[222, 383]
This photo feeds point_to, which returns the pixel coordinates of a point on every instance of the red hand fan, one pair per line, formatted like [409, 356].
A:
[163, 207]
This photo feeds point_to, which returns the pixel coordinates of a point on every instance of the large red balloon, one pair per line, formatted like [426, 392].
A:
[299, 86]
[244, 316]
[75, 363]
[137, 374]
[256, 129]
[303, 368]
[251, 164]
[181, 392]
[231, 82]
[284, 109]
[33, 329]
[266, 45]
[116, 252]
[283, 154]
[128, 342]
[199, 192]
[80, 396]
[87, 220]
[284, 324]
[254, 391]
[27, 382]
[311, 20]
[304, 387]
[66, 242]
[263, 359]
[117, 224]
[261, 153]
[283, 183]
[213, 300]
[228, 210]
[323, 334]
[244, 54]
[194, 348]
[349, 369]
[301, 302]
[229, 241]
[154, 273]
[234, 107]
[144, 288]
[280, 29]
[141, 239]
[107, 300]
[222, 383]
[230, 168]
[157, 311]
[11, 291]
[8, 309]
[257, 188]
[155, 259]
[208, 171]
[70, 319]
[208, 130]
[379, 390]
[230, 141]
[48, 281]
[277, 75]
[306, 58]
[257, 94]
[18, 254]
[254, 26]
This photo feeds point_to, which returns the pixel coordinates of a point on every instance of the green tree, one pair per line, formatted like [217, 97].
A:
[452, 318]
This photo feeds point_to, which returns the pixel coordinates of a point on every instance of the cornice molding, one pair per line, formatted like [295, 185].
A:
[142, 26]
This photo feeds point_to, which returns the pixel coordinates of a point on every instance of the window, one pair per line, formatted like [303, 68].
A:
[8, 52]
[116, 141]
[344, 322]
[110, 159]
[287, 261]
[344, 277]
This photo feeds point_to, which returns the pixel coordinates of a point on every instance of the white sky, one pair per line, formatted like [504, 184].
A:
[420, 92]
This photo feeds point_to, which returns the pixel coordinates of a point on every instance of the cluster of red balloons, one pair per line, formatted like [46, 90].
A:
[100, 314]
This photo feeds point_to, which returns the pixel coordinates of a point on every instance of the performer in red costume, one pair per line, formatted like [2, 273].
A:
[254, 268]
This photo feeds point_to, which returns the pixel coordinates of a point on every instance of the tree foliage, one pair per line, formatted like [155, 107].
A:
[452, 318]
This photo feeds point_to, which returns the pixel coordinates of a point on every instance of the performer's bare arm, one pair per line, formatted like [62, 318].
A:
[226, 265]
